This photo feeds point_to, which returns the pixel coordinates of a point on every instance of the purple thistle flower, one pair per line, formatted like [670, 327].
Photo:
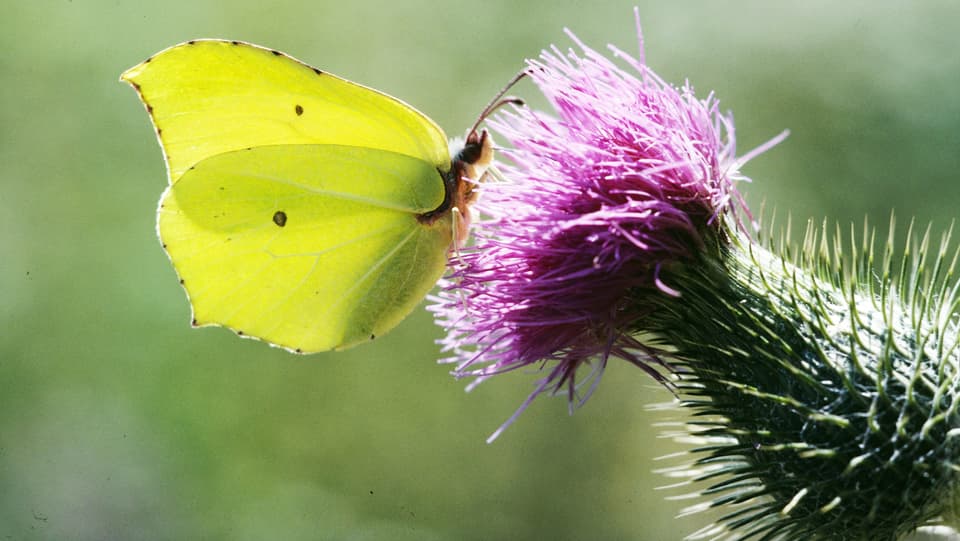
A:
[825, 390]
[631, 176]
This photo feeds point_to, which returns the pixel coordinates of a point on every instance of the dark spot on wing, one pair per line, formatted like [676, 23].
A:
[276, 53]
[298, 109]
[181, 281]
[235, 42]
[191, 42]
[239, 333]
[298, 350]
[159, 132]
[149, 109]
[148, 60]
[318, 72]
[280, 218]
[194, 323]
[135, 85]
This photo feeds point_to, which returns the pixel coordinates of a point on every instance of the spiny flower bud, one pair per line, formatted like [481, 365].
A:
[826, 400]
[826, 396]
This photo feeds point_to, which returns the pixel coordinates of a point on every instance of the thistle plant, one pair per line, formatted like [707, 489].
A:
[822, 380]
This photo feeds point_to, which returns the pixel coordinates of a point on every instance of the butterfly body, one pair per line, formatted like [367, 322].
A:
[302, 209]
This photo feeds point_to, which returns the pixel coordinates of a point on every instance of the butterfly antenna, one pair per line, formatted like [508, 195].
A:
[499, 101]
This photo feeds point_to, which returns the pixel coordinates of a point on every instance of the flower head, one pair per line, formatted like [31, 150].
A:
[629, 177]
[826, 391]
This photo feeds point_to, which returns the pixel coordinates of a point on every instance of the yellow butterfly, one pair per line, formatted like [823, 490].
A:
[303, 209]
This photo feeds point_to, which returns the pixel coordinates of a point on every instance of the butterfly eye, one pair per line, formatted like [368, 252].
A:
[470, 152]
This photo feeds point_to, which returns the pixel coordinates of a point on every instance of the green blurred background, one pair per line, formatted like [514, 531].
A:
[117, 421]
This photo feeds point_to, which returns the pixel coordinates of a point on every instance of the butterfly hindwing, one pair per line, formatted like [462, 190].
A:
[310, 247]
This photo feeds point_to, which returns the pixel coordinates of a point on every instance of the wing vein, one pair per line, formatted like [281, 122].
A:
[376, 266]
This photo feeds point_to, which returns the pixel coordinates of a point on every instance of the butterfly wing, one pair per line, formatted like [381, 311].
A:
[207, 97]
[292, 213]
[310, 247]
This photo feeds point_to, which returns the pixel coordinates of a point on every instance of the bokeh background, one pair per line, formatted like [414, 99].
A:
[117, 421]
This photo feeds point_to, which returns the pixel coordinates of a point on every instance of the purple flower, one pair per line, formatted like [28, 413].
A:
[630, 177]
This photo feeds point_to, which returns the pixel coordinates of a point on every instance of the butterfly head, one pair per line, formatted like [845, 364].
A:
[468, 167]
